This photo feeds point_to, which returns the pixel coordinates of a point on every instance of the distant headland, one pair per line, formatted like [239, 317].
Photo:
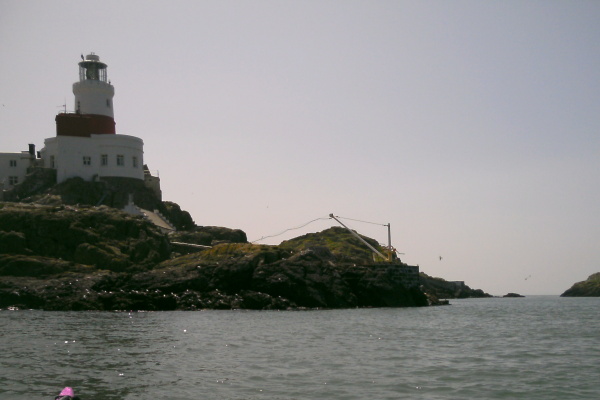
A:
[588, 288]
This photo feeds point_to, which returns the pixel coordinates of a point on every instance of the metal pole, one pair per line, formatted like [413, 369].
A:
[359, 238]
[389, 242]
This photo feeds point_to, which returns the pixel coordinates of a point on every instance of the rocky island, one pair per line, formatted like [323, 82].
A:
[60, 252]
[83, 227]
[588, 288]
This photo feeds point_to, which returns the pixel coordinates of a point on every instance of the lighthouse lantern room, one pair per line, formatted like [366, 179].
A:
[91, 68]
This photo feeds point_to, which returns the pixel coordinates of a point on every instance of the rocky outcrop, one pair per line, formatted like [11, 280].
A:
[588, 288]
[228, 276]
[99, 258]
[439, 288]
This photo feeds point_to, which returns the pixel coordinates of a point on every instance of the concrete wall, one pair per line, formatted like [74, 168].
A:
[407, 275]
[83, 157]
[153, 182]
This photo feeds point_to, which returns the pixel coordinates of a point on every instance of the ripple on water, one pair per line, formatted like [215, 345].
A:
[487, 348]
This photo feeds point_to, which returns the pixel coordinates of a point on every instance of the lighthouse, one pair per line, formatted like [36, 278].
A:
[86, 143]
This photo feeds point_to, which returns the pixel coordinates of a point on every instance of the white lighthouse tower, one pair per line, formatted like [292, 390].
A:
[93, 93]
[86, 144]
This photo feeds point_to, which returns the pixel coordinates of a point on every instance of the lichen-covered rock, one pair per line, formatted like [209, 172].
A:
[339, 242]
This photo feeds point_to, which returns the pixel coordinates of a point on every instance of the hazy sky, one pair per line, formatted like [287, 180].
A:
[470, 126]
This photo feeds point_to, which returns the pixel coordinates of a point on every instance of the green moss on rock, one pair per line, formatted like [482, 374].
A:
[341, 243]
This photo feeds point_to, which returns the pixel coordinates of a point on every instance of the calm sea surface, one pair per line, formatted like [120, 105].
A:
[540, 347]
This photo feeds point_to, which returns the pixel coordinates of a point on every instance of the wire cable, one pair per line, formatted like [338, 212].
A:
[358, 220]
[289, 229]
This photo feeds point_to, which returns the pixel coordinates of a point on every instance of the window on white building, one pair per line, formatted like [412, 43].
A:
[120, 160]
[13, 163]
[13, 180]
[87, 160]
[52, 164]
[104, 159]
[135, 162]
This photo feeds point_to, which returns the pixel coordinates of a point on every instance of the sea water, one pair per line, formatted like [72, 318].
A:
[540, 347]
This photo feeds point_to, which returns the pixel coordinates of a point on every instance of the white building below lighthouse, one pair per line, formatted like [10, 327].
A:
[95, 156]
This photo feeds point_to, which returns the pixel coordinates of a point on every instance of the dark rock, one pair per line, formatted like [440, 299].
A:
[33, 266]
[304, 280]
[209, 235]
[13, 243]
[512, 295]
[229, 276]
[434, 301]
[181, 219]
[104, 257]
[439, 288]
